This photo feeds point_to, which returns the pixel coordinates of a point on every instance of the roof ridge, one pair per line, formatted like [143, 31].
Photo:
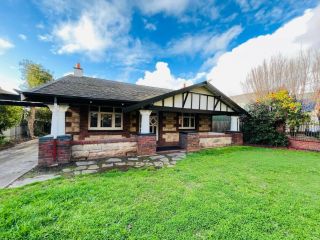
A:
[128, 83]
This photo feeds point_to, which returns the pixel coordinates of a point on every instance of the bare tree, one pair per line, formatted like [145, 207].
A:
[315, 81]
[298, 75]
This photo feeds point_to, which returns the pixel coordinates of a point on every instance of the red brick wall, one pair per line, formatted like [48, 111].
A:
[85, 133]
[147, 144]
[237, 138]
[304, 144]
[189, 141]
[54, 151]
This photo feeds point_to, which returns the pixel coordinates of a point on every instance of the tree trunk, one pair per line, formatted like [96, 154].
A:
[31, 120]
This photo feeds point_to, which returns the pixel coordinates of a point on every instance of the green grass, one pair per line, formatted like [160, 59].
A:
[227, 193]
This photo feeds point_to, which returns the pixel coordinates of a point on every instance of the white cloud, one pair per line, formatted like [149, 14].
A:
[170, 7]
[22, 37]
[150, 26]
[99, 27]
[232, 67]
[204, 43]
[5, 45]
[163, 78]
[9, 83]
[45, 37]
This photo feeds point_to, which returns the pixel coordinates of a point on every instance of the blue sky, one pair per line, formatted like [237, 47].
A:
[161, 43]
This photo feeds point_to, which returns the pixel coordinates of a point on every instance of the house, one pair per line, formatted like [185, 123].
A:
[94, 118]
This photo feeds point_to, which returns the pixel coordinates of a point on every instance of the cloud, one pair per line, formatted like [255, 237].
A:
[205, 44]
[22, 37]
[45, 37]
[163, 78]
[232, 67]
[98, 28]
[169, 7]
[9, 83]
[5, 45]
[149, 26]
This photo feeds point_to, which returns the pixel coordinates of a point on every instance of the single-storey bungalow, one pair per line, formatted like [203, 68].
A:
[95, 118]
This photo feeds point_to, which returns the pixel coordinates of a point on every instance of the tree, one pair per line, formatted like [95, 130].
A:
[10, 116]
[269, 117]
[297, 75]
[33, 75]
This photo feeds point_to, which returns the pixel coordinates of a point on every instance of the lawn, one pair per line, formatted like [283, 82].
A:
[227, 193]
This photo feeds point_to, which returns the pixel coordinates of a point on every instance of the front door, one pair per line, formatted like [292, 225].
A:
[154, 124]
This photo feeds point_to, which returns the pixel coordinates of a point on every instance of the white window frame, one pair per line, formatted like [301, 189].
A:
[191, 116]
[113, 123]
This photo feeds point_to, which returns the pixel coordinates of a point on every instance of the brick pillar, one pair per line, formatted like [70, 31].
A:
[54, 151]
[147, 144]
[237, 138]
[64, 148]
[45, 155]
[189, 141]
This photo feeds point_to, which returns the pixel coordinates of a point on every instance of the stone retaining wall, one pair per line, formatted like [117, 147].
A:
[84, 150]
[210, 140]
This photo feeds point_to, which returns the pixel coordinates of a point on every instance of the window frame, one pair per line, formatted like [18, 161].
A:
[113, 122]
[190, 116]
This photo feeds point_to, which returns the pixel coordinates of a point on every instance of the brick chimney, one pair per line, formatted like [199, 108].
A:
[78, 71]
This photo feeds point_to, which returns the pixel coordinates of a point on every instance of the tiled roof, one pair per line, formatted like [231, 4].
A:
[95, 88]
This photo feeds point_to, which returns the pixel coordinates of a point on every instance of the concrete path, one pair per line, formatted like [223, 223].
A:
[16, 161]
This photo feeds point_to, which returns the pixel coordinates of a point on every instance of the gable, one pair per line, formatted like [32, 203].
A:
[197, 99]
[201, 97]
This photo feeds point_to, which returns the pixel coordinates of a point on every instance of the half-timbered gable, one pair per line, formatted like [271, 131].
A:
[200, 98]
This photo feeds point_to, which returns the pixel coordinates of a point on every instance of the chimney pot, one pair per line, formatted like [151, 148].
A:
[78, 71]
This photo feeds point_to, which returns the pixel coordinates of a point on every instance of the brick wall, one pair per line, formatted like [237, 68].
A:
[237, 138]
[54, 151]
[205, 123]
[73, 120]
[189, 141]
[86, 134]
[146, 144]
[312, 145]
[168, 129]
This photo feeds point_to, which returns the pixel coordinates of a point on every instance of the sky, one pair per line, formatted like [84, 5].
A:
[163, 43]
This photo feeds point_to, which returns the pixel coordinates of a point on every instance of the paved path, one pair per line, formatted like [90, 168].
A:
[16, 161]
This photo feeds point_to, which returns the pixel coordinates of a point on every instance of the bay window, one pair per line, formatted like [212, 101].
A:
[105, 118]
[187, 121]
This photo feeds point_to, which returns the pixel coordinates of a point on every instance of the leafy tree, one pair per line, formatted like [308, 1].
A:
[33, 75]
[269, 117]
[10, 116]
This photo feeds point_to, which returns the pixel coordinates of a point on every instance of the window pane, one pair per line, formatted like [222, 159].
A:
[118, 110]
[106, 109]
[106, 120]
[185, 122]
[94, 108]
[93, 119]
[192, 122]
[118, 119]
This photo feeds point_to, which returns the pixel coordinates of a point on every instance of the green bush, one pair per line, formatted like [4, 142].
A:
[261, 127]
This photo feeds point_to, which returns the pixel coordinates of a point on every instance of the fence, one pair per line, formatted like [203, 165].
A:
[309, 131]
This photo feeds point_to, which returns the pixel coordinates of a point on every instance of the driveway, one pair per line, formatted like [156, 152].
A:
[16, 161]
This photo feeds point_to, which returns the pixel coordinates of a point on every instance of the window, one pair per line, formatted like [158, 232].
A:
[187, 121]
[105, 118]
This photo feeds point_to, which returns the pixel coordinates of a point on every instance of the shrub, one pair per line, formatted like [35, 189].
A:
[269, 117]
